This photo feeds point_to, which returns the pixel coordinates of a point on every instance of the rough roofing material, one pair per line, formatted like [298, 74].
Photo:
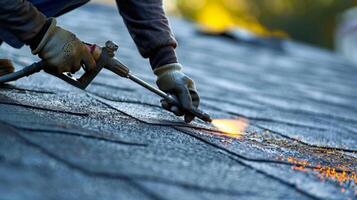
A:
[113, 141]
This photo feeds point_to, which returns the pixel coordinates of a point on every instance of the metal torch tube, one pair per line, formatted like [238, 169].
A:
[148, 86]
[26, 71]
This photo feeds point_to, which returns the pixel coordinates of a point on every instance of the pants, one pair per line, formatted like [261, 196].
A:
[51, 8]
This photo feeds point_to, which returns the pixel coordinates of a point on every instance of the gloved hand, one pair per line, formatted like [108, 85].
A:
[61, 51]
[173, 81]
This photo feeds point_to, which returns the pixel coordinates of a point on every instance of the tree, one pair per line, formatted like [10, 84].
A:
[311, 21]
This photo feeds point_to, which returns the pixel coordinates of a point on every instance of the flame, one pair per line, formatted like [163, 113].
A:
[231, 127]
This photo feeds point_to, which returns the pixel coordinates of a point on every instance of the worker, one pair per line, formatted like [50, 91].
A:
[33, 23]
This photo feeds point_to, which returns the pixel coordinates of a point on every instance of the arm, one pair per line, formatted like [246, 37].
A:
[59, 49]
[22, 19]
[150, 30]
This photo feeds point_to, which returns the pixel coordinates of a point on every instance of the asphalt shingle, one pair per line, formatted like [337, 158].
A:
[113, 141]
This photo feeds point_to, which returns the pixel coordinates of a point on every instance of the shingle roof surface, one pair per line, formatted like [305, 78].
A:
[114, 142]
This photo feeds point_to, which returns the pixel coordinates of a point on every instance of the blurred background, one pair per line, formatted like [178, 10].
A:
[330, 24]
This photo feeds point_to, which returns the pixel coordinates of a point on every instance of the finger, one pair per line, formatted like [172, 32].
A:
[165, 104]
[171, 108]
[189, 118]
[60, 70]
[88, 60]
[76, 66]
[195, 98]
[50, 68]
[195, 102]
[184, 98]
[176, 111]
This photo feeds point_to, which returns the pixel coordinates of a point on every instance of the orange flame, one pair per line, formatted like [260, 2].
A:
[231, 127]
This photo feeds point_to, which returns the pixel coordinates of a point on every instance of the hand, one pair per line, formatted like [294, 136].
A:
[61, 51]
[173, 81]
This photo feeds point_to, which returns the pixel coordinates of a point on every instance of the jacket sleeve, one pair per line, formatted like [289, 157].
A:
[21, 18]
[147, 24]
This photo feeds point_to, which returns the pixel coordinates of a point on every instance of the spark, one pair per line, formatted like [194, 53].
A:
[338, 173]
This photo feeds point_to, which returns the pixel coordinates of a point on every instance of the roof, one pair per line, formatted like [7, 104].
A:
[113, 141]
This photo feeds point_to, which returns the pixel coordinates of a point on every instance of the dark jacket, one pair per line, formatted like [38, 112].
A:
[145, 20]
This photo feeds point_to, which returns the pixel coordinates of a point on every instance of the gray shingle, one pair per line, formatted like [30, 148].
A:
[114, 142]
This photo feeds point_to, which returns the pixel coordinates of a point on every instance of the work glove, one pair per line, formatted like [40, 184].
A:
[61, 51]
[173, 81]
